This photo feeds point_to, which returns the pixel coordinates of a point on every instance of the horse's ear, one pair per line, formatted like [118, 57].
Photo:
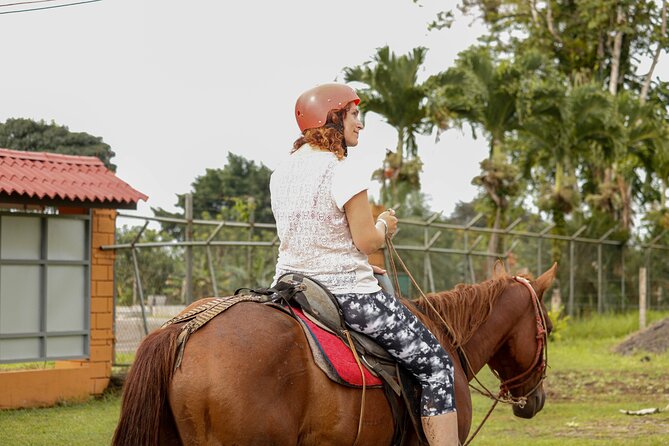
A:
[498, 269]
[544, 281]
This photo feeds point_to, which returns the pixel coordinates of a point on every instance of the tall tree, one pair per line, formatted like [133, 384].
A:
[238, 191]
[392, 90]
[483, 92]
[564, 132]
[602, 44]
[38, 136]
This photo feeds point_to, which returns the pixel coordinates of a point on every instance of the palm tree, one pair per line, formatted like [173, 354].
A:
[565, 131]
[391, 89]
[482, 93]
[640, 162]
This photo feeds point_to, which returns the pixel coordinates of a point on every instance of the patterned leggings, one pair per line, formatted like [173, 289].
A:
[391, 324]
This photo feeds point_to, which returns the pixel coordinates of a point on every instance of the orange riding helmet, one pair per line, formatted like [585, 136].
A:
[313, 106]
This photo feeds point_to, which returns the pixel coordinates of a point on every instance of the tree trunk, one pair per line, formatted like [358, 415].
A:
[626, 199]
[549, 23]
[558, 216]
[394, 189]
[560, 225]
[615, 56]
[646, 81]
[493, 244]
[533, 11]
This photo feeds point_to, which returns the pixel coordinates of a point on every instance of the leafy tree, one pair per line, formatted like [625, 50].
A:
[392, 91]
[601, 41]
[591, 129]
[226, 191]
[38, 136]
[483, 92]
[634, 170]
[239, 191]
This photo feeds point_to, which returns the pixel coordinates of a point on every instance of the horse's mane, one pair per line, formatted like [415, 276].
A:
[464, 309]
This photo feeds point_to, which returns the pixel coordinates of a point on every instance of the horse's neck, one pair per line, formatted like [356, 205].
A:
[481, 347]
[482, 344]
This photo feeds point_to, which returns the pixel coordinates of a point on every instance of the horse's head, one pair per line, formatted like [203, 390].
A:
[521, 361]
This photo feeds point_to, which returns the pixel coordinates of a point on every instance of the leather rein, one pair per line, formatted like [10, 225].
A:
[538, 366]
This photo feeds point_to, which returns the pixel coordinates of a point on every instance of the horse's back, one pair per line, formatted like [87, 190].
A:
[248, 377]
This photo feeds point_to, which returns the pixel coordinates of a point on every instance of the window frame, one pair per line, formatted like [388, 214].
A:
[43, 335]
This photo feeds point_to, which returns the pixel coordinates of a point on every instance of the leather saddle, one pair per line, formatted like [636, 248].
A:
[319, 305]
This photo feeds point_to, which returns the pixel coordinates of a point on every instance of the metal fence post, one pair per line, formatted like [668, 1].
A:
[572, 269]
[429, 276]
[622, 278]
[212, 274]
[189, 248]
[643, 292]
[138, 278]
[600, 274]
[249, 249]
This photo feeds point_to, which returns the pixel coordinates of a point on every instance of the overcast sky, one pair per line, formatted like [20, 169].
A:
[174, 86]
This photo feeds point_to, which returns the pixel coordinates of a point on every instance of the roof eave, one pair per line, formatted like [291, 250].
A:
[25, 199]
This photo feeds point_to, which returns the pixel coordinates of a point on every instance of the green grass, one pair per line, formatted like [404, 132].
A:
[124, 358]
[27, 366]
[587, 386]
[72, 424]
[605, 326]
[576, 423]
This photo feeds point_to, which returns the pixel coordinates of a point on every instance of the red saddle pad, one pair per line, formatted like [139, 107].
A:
[339, 355]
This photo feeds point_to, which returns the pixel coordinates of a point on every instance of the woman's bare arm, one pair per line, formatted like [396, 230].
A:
[368, 236]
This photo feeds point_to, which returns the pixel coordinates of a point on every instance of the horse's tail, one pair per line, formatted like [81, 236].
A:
[145, 403]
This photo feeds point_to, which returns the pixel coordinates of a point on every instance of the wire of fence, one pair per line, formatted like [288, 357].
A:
[595, 274]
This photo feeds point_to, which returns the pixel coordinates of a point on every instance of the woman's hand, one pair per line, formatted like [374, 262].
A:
[378, 270]
[388, 217]
[368, 235]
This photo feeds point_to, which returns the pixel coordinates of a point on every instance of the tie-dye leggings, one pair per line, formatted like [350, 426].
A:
[391, 324]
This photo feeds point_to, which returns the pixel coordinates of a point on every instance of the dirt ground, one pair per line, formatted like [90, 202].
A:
[653, 339]
[584, 386]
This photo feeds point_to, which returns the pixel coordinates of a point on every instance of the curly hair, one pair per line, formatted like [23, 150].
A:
[329, 137]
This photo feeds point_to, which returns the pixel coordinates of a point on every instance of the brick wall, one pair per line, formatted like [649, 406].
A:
[102, 299]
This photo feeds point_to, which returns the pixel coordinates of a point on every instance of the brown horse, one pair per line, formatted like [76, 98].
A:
[248, 378]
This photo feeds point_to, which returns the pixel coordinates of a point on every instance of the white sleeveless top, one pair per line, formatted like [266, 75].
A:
[308, 192]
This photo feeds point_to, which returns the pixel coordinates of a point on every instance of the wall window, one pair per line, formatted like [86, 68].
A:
[44, 287]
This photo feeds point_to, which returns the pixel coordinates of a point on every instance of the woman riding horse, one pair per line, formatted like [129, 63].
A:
[248, 376]
[325, 225]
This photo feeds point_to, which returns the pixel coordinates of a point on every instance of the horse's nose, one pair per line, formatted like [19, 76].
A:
[535, 403]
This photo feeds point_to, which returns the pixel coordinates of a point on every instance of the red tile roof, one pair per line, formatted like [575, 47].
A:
[64, 179]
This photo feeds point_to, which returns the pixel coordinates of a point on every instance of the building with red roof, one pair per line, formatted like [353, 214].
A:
[56, 284]
[54, 180]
